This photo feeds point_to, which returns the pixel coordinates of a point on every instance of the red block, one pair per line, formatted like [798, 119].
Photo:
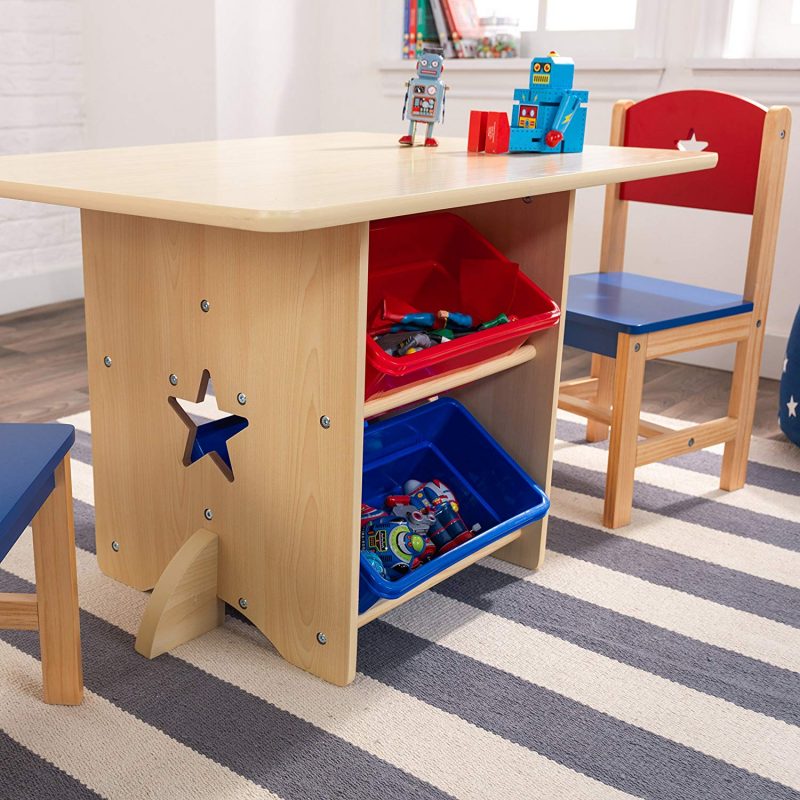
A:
[477, 131]
[497, 132]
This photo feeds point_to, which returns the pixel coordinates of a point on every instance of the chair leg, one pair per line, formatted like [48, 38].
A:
[57, 593]
[603, 370]
[741, 406]
[626, 404]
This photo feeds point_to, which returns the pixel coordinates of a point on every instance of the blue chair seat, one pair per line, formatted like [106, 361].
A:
[29, 455]
[602, 305]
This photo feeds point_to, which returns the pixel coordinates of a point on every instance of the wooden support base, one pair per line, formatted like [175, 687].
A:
[184, 604]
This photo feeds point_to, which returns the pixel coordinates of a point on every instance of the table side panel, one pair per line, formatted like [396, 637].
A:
[518, 407]
[285, 327]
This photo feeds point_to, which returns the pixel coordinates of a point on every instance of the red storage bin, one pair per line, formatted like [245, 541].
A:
[436, 261]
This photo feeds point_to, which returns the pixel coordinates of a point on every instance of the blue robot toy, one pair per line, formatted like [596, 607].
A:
[426, 94]
[549, 116]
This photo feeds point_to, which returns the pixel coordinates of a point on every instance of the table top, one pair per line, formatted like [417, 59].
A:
[292, 183]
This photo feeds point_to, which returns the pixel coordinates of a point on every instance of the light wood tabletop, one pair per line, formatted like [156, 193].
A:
[295, 183]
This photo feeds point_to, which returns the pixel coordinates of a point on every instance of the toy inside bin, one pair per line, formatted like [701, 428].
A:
[432, 262]
[443, 440]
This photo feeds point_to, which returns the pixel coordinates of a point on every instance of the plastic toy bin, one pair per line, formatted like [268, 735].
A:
[443, 440]
[429, 262]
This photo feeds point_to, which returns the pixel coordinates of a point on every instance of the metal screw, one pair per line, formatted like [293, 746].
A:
[527, 200]
[758, 323]
[782, 134]
[242, 602]
[322, 638]
[637, 347]
[691, 442]
[173, 379]
[241, 398]
[115, 546]
[325, 421]
[205, 305]
[107, 361]
[208, 514]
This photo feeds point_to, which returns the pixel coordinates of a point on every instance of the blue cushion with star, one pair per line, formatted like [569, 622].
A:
[789, 411]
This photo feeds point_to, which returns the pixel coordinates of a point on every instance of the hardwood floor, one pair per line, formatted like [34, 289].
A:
[43, 374]
[43, 363]
[696, 394]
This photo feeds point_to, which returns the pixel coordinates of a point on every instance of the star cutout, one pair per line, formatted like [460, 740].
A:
[691, 144]
[792, 406]
[209, 427]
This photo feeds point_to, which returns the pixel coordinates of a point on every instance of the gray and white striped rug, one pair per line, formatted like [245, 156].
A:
[657, 661]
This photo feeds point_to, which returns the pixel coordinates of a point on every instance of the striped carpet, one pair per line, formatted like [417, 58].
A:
[658, 661]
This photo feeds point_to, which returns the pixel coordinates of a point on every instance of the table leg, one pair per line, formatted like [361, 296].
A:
[281, 336]
[518, 407]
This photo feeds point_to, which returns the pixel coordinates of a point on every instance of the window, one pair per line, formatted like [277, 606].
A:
[582, 15]
[758, 28]
[581, 28]
[564, 15]
[526, 12]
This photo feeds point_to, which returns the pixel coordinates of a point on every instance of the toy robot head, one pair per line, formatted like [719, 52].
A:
[430, 65]
[552, 72]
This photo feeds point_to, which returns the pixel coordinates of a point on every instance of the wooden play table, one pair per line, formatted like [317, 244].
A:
[246, 261]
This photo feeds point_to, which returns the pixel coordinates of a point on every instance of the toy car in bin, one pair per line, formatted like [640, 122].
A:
[438, 261]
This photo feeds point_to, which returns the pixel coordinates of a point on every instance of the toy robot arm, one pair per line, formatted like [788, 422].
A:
[566, 111]
[405, 101]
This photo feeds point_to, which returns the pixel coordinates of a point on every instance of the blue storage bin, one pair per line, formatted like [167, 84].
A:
[443, 440]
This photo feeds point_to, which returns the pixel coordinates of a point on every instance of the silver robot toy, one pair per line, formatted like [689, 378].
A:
[426, 92]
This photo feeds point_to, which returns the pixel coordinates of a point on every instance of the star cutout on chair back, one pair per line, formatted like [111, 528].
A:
[691, 144]
[209, 427]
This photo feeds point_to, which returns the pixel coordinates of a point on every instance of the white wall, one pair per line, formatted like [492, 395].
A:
[41, 108]
[268, 67]
[150, 71]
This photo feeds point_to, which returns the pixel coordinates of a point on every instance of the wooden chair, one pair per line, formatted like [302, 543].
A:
[35, 488]
[625, 319]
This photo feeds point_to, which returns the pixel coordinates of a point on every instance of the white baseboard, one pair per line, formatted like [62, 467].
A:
[30, 291]
[722, 357]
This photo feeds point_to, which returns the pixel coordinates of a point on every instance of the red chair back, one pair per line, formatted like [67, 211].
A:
[731, 126]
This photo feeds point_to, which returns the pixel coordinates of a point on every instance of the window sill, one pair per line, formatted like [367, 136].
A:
[523, 65]
[738, 64]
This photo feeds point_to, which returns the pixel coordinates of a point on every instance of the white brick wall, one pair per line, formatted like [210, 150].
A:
[41, 108]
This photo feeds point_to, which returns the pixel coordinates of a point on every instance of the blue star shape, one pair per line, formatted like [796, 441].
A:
[208, 437]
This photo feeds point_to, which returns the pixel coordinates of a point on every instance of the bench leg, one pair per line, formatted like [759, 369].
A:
[741, 406]
[603, 370]
[627, 401]
[57, 593]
